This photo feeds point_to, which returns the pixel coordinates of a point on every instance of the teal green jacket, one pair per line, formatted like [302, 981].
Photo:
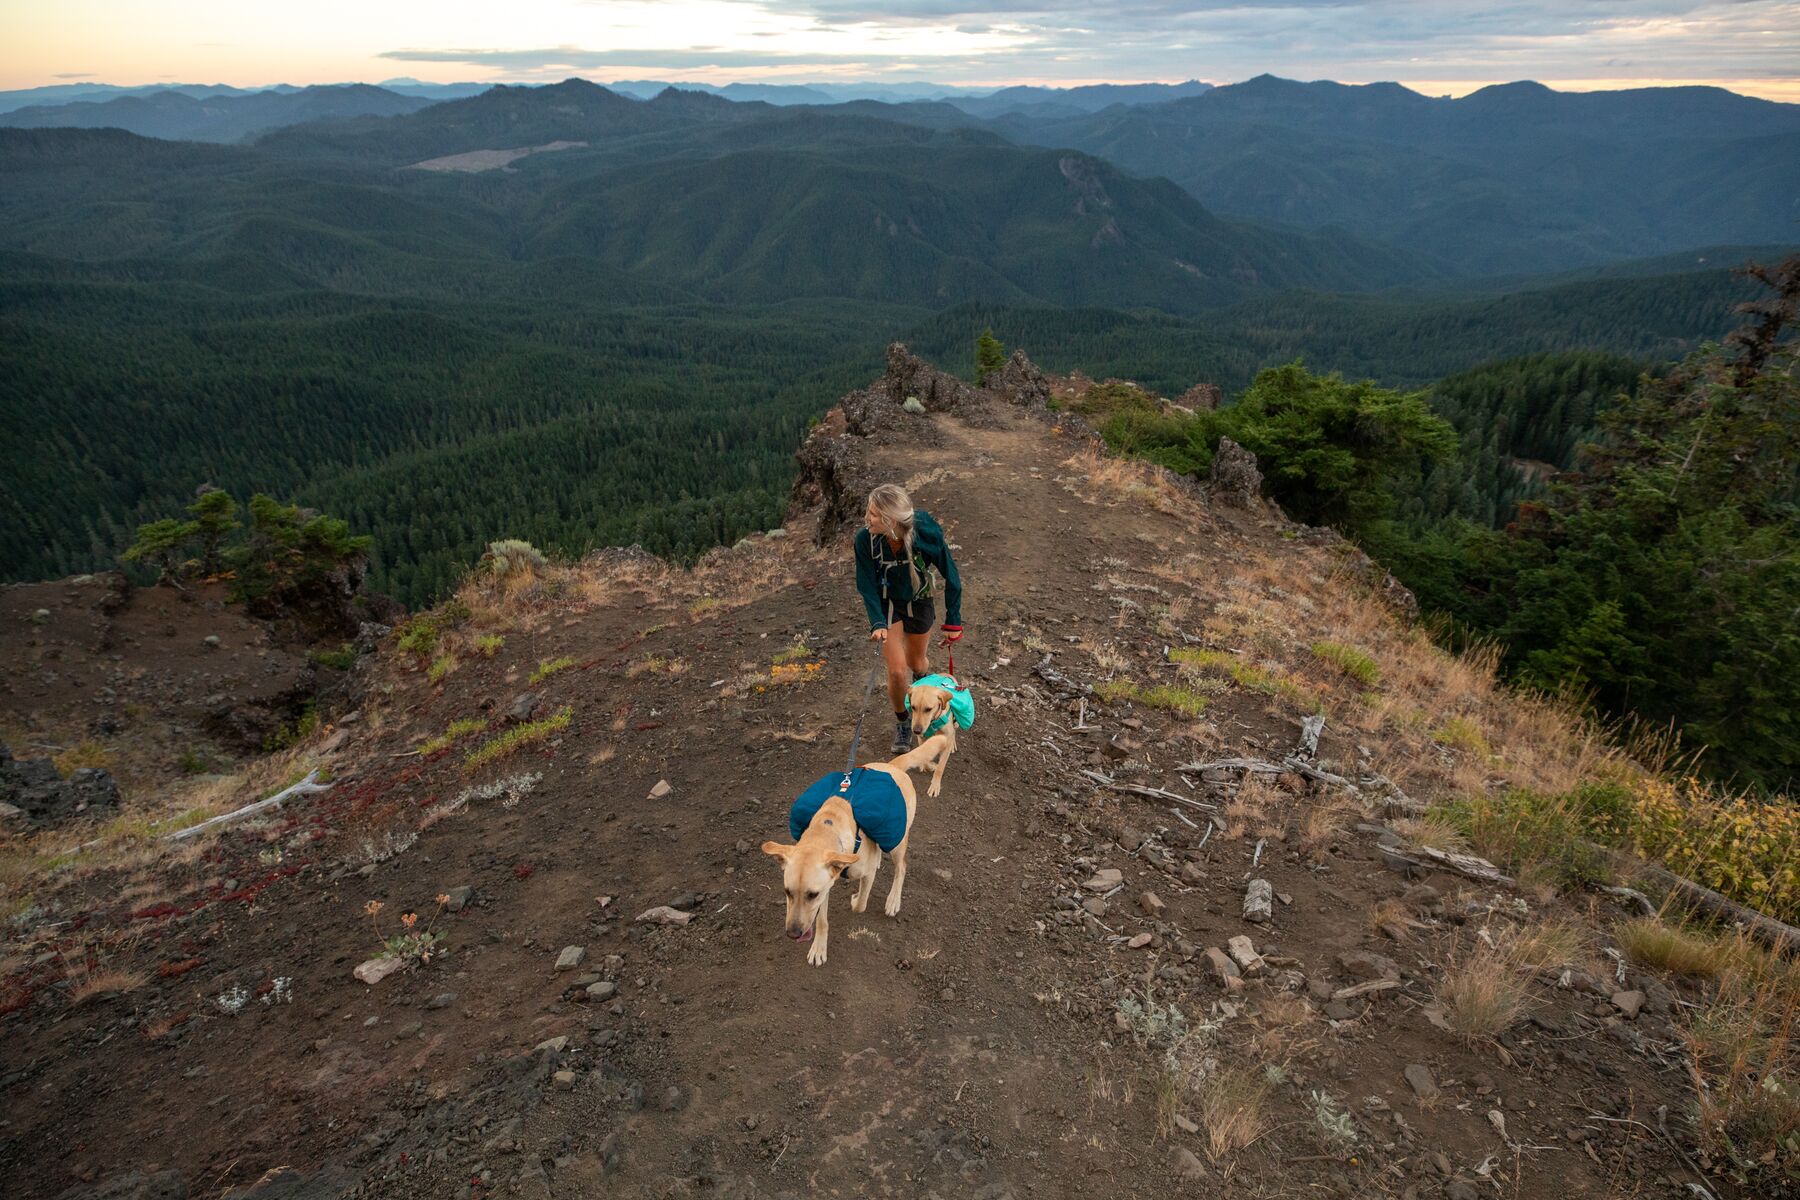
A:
[962, 704]
[878, 568]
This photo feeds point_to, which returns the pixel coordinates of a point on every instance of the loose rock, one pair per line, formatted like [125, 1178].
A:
[570, 958]
[1243, 953]
[1259, 902]
[662, 914]
[378, 969]
[1418, 1077]
[1364, 964]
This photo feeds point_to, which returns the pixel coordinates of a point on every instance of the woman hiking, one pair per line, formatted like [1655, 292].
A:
[895, 552]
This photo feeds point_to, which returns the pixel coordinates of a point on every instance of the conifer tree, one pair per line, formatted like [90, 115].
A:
[990, 356]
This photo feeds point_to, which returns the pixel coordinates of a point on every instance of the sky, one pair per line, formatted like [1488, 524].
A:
[1434, 46]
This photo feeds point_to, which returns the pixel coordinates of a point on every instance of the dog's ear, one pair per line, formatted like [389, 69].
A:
[839, 859]
[778, 850]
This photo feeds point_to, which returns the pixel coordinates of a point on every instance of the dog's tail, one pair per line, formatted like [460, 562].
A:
[925, 753]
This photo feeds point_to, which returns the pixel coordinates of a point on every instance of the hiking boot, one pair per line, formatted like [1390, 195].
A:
[902, 734]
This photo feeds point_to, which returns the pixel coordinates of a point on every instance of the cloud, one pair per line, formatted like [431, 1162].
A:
[574, 58]
[1002, 41]
[73, 75]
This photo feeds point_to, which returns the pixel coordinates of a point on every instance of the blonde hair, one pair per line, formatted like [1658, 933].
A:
[895, 507]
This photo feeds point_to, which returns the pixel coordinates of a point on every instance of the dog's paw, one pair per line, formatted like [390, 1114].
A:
[893, 904]
[937, 785]
[859, 903]
[816, 956]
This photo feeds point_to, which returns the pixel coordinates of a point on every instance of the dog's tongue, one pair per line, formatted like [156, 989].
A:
[803, 937]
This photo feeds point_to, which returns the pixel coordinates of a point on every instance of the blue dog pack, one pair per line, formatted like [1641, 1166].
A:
[875, 801]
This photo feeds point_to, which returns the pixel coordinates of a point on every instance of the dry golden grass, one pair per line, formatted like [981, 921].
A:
[1434, 828]
[83, 754]
[1284, 1026]
[1393, 917]
[656, 664]
[1549, 944]
[1745, 1065]
[1324, 822]
[91, 985]
[1535, 741]
[1106, 656]
[1249, 808]
[1650, 943]
[1232, 1104]
[1482, 992]
[1102, 477]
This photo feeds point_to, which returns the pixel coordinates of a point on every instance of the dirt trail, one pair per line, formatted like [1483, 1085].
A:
[919, 1057]
[970, 1047]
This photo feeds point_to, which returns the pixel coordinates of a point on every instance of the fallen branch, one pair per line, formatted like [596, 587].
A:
[1462, 864]
[1262, 766]
[1156, 793]
[1774, 934]
[1057, 679]
[1363, 989]
[305, 786]
[1633, 896]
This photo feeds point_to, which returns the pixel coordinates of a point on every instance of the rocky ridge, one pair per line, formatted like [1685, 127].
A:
[1143, 883]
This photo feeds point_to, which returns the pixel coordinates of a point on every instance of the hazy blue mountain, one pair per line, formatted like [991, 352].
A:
[769, 93]
[216, 118]
[433, 91]
[66, 93]
[1090, 98]
[1512, 178]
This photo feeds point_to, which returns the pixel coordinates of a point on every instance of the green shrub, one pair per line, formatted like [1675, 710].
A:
[455, 732]
[1351, 661]
[1531, 833]
[519, 735]
[1180, 700]
[509, 556]
[549, 667]
[341, 659]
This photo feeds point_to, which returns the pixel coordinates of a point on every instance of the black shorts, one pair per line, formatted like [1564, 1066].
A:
[923, 617]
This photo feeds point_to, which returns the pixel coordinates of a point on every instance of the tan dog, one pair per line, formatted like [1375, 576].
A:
[928, 704]
[827, 849]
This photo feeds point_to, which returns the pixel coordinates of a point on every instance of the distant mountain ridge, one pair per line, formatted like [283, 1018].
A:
[731, 202]
[1515, 177]
[178, 116]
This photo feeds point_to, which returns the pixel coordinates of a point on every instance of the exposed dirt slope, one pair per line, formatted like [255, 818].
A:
[996, 1039]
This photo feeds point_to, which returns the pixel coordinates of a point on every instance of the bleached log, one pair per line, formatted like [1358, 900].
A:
[1156, 793]
[1310, 729]
[304, 787]
[1262, 766]
[1777, 935]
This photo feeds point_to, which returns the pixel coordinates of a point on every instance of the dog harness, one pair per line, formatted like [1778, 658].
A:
[875, 801]
[962, 703]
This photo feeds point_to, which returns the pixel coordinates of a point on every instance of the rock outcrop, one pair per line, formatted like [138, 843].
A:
[1020, 382]
[36, 791]
[833, 478]
[910, 377]
[1202, 397]
[1236, 479]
